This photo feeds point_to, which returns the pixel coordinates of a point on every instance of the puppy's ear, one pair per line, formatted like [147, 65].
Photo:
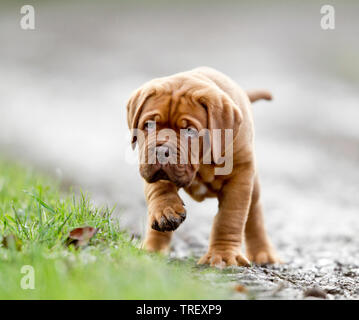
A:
[134, 108]
[222, 113]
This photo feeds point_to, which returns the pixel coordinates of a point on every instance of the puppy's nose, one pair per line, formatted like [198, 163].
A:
[162, 152]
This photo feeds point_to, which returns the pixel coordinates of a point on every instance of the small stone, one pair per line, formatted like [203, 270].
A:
[315, 292]
[332, 290]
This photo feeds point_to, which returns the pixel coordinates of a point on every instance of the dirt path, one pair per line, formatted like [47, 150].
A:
[62, 106]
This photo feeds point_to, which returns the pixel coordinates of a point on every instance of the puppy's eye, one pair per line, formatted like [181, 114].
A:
[150, 125]
[191, 132]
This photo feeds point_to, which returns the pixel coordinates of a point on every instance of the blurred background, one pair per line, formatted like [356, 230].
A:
[64, 88]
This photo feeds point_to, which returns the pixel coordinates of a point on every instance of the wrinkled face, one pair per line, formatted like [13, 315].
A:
[170, 126]
[180, 122]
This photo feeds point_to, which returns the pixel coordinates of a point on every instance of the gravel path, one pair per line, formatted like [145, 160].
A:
[63, 89]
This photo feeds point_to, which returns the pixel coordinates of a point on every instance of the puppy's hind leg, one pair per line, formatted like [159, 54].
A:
[259, 248]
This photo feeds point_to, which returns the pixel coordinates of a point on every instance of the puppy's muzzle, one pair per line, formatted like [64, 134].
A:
[162, 154]
[167, 168]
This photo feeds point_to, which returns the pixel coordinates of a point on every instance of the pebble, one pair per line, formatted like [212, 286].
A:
[315, 292]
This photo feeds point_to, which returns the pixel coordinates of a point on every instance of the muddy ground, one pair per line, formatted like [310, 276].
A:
[64, 86]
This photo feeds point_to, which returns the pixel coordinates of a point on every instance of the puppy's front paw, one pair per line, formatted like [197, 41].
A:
[168, 218]
[223, 258]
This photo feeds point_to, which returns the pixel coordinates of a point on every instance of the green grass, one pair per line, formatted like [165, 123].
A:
[39, 216]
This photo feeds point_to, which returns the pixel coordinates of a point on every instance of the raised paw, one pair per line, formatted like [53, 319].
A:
[221, 259]
[167, 219]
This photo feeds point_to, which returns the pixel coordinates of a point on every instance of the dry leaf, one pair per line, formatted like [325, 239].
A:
[240, 288]
[80, 237]
[11, 242]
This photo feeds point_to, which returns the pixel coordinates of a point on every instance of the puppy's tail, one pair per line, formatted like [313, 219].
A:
[257, 94]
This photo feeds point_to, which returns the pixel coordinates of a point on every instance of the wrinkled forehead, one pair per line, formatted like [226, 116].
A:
[174, 110]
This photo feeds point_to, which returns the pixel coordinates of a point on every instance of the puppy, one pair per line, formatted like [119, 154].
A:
[166, 112]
